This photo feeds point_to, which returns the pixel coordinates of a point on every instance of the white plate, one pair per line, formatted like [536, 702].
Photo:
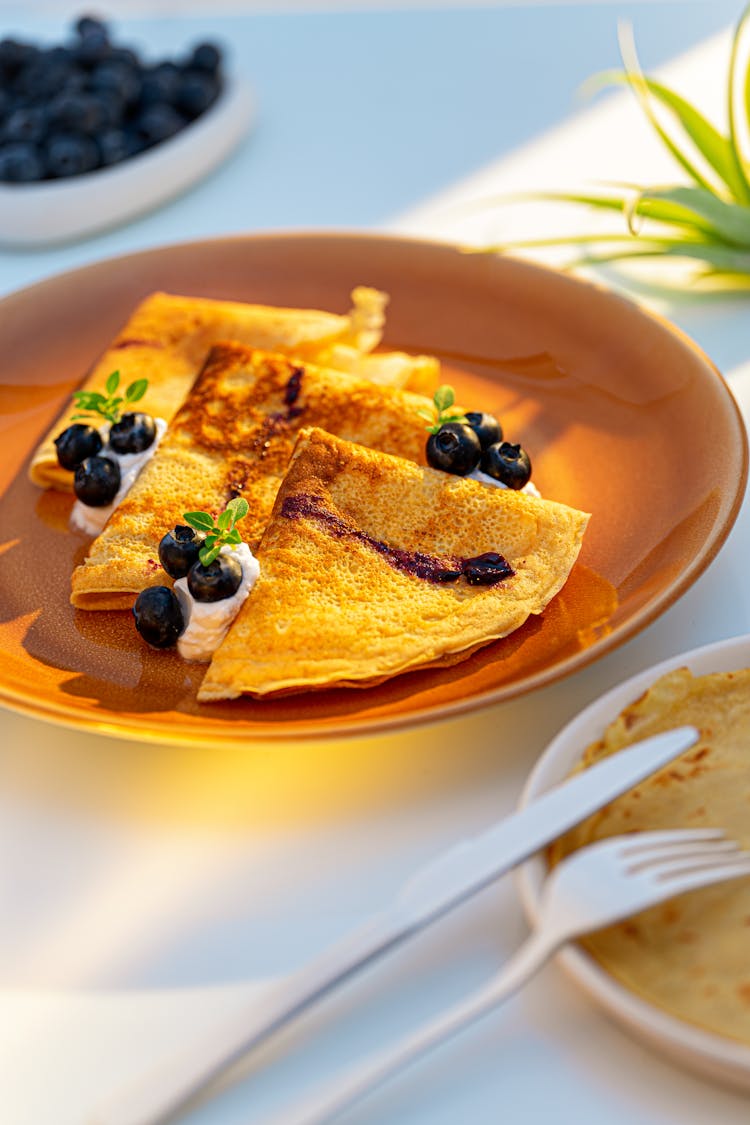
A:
[703, 1052]
[61, 210]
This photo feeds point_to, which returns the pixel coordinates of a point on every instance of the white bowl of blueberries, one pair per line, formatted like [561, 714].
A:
[91, 134]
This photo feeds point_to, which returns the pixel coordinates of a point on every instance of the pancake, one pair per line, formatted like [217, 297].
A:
[167, 338]
[234, 436]
[689, 956]
[354, 565]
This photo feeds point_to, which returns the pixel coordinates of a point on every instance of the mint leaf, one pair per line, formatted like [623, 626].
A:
[136, 390]
[201, 521]
[113, 381]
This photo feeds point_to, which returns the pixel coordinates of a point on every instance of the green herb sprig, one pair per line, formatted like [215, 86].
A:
[219, 534]
[109, 405]
[441, 413]
[707, 219]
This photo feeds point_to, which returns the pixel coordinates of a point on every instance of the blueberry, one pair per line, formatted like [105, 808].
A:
[96, 481]
[117, 78]
[70, 154]
[76, 111]
[206, 56]
[20, 163]
[178, 551]
[90, 25]
[486, 427]
[197, 92]
[220, 579]
[76, 444]
[160, 84]
[114, 146]
[159, 122]
[26, 123]
[454, 448]
[158, 616]
[133, 433]
[507, 463]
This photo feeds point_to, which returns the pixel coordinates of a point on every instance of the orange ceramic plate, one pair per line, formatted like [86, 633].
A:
[621, 414]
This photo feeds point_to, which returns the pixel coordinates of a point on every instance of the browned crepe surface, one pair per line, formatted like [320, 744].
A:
[167, 338]
[689, 956]
[338, 602]
[234, 436]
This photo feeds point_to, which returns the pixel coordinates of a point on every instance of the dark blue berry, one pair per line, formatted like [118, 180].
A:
[114, 146]
[158, 616]
[77, 443]
[206, 56]
[159, 122]
[454, 448]
[160, 84]
[178, 551]
[27, 123]
[96, 481]
[486, 427]
[220, 579]
[486, 570]
[507, 463]
[20, 163]
[70, 154]
[76, 111]
[133, 433]
[198, 91]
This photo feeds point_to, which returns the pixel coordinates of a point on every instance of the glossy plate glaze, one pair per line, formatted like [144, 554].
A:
[721, 1059]
[621, 415]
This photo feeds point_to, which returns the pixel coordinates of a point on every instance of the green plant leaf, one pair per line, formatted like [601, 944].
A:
[239, 508]
[200, 521]
[224, 521]
[727, 222]
[444, 397]
[736, 109]
[136, 390]
[208, 554]
[233, 536]
[716, 149]
[113, 381]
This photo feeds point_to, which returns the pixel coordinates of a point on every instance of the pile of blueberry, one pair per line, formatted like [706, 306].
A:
[477, 443]
[69, 109]
[157, 611]
[97, 476]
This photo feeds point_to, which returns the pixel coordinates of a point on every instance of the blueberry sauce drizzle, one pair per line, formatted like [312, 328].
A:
[482, 570]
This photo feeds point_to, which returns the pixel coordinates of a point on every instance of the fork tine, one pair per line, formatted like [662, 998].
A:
[705, 876]
[676, 868]
[642, 841]
[682, 853]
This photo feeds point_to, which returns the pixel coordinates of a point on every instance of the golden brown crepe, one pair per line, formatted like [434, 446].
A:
[354, 565]
[689, 956]
[167, 338]
[234, 436]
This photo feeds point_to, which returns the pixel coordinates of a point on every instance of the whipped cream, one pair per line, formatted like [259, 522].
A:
[91, 520]
[207, 623]
[485, 478]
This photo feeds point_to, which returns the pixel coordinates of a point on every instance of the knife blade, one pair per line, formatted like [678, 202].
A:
[443, 884]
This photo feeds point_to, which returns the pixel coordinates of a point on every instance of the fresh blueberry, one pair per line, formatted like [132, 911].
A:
[178, 551]
[220, 579]
[206, 56]
[76, 111]
[96, 481]
[486, 427]
[117, 78]
[133, 433]
[454, 448]
[77, 443]
[114, 146]
[70, 154]
[20, 163]
[159, 122]
[27, 123]
[158, 616]
[198, 90]
[90, 25]
[160, 84]
[507, 463]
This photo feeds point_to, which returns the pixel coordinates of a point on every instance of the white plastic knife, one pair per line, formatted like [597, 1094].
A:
[443, 884]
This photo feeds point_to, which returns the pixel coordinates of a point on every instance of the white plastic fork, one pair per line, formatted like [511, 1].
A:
[594, 887]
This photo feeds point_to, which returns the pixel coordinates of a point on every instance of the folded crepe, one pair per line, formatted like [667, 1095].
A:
[167, 338]
[234, 436]
[368, 569]
[690, 956]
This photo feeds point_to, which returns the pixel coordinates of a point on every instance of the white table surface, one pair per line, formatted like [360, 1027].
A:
[145, 890]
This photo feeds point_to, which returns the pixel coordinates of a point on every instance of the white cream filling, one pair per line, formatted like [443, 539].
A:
[207, 623]
[91, 520]
[485, 478]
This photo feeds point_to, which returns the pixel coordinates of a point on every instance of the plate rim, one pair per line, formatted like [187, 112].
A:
[716, 1056]
[346, 726]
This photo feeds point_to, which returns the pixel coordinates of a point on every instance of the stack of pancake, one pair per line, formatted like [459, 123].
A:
[267, 416]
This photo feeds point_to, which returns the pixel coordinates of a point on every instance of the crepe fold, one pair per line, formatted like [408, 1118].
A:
[234, 436]
[355, 570]
[691, 955]
[167, 338]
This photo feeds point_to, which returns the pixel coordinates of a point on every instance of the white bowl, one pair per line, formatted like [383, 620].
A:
[61, 210]
[713, 1056]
